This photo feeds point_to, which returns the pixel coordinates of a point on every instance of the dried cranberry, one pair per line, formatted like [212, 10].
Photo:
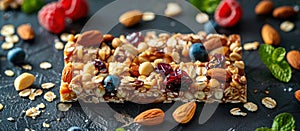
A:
[178, 79]
[135, 38]
[101, 67]
[217, 61]
[164, 68]
[138, 84]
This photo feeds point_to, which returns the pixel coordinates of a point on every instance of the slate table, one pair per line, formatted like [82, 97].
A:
[42, 49]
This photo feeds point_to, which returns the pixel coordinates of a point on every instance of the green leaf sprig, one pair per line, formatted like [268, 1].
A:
[208, 6]
[282, 122]
[273, 58]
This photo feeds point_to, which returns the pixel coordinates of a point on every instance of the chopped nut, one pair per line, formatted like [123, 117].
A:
[116, 42]
[12, 39]
[202, 18]
[25, 93]
[46, 125]
[7, 45]
[26, 32]
[45, 65]
[237, 112]
[27, 67]
[1, 107]
[172, 9]
[287, 26]
[8, 30]
[148, 16]
[49, 96]
[146, 68]
[64, 37]
[41, 106]
[269, 102]
[48, 85]
[32, 112]
[251, 46]
[9, 73]
[63, 106]
[58, 45]
[11, 119]
[250, 106]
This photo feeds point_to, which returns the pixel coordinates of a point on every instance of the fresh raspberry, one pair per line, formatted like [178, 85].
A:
[52, 17]
[228, 13]
[75, 9]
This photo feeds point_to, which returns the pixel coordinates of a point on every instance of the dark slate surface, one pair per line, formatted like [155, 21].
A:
[42, 49]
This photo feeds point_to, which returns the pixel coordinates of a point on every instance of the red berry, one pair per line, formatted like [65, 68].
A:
[228, 13]
[75, 9]
[52, 17]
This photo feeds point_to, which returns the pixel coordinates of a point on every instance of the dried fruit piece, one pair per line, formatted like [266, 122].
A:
[184, 113]
[23, 81]
[287, 26]
[172, 9]
[228, 13]
[26, 32]
[269, 102]
[150, 117]
[131, 18]
[52, 17]
[237, 112]
[297, 95]
[270, 35]
[45, 65]
[264, 7]
[284, 12]
[75, 9]
[250, 106]
[63, 106]
[293, 57]
[48, 85]
[9, 73]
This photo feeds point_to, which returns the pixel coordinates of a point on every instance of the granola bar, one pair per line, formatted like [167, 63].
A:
[153, 68]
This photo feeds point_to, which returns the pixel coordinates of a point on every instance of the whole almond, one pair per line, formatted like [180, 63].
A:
[88, 38]
[270, 35]
[150, 117]
[264, 7]
[26, 32]
[219, 74]
[284, 12]
[212, 43]
[67, 73]
[131, 18]
[184, 113]
[297, 95]
[293, 57]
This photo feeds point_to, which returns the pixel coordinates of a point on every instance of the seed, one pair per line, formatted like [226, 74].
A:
[1, 107]
[49, 96]
[237, 112]
[59, 45]
[48, 85]
[287, 26]
[63, 106]
[12, 39]
[25, 93]
[269, 102]
[250, 106]
[27, 67]
[45, 65]
[11, 119]
[8, 30]
[64, 37]
[7, 45]
[41, 106]
[148, 16]
[9, 73]
[202, 18]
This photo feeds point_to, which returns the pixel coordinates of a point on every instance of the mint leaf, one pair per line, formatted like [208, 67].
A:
[263, 129]
[208, 6]
[282, 71]
[284, 122]
[278, 54]
[265, 51]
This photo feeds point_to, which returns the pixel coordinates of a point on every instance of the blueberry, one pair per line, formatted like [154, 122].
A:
[74, 128]
[111, 83]
[210, 27]
[16, 55]
[197, 52]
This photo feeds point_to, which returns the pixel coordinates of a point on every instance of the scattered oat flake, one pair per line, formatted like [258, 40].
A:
[250, 106]
[269, 102]
[38, 92]
[27, 67]
[25, 93]
[49, 96]
[45, 65]
[237, 112]
[8, 30]
[64, 37]
[11, 119]
[41, 106]
[58, 45]
[148, 16]
[64, 106]
[33, 112]
[7, 45]
[48, 85]
[9, 73]
[202, 18]
[46, 125]
[1, 107]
